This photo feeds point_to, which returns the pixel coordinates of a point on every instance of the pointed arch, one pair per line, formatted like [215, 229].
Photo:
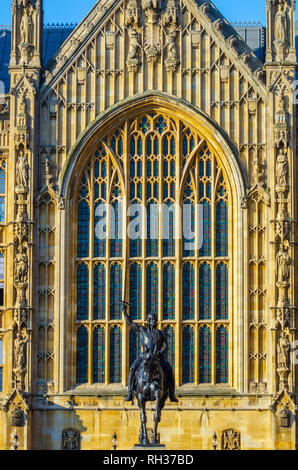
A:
[131, 106]
[156, 275]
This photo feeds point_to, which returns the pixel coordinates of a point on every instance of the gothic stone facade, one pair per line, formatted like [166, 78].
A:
[152, 101]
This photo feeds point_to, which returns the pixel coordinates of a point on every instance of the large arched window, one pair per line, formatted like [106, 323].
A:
[176, 263]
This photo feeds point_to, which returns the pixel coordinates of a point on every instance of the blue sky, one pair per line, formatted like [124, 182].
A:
[59, 11]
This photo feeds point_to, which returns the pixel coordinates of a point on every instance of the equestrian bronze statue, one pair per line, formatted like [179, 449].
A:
[151, 377]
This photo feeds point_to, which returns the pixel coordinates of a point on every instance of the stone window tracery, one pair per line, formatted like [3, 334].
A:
[185, 281]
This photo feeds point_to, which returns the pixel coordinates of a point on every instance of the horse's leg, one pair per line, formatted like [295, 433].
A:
[143, 433]
[157, 416]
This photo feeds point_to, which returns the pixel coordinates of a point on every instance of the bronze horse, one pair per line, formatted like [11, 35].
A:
[150, 384]
[151, 377]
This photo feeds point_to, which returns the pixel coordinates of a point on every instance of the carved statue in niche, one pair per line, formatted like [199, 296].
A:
[170, 19]
[283, 264]
[281, 105]
[282, 169]
[132, 23]
[71, 439]
[20, 352]
[132, 14]
[283, 351]
[281, 26]
[21, 267]
[133, 46]
[26, 26]
[257, 174]
[22, 171]
[171, 44]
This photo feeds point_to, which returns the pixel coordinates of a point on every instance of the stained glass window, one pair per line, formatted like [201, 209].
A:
[82, 355]
[168, 229]
[171, 345]
[206, 246]
[152, 288]
[152, 229]
[134, 346]
[168, 291]
[221, 292]
[98, 355]
[205, 355]
[136, 242]
[116, 355]
[188, 289]
[135, 291]
[205, 292]
[115, 291]
[188, 355]
[188, 228]
[149, 149]
[82, 292]
[221, 229]
[99, 303]
[222, 355]
[83, 229]
[100, 230]
[116, 236]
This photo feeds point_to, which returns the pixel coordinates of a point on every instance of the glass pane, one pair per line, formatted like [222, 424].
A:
[135, 291]
[99, 355]
[152, 229]
[116, 239]
[116, 291]
[116, 355]
[83, 229]
[222, 292]
[205, 292]
[99, 304]
[168, 292]
[82, 292]
[222, 355]
[188, 355]
[206, 248]
[82, 355]
[205, 355]
[100, 231]
[152, 288]
[221, 229]
[188, 289]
